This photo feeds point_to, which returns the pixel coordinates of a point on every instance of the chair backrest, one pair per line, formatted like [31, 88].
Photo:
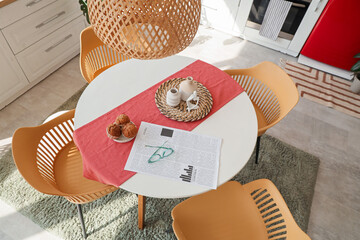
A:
[255, 210]
[274, 212]
[225, 213]
[270, 88]
[35, 148]
[95, 56]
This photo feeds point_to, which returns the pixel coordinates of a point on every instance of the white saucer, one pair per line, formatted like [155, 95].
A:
[123, 139]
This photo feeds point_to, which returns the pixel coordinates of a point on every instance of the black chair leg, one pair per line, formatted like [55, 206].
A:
[257, 149]
[81, 220]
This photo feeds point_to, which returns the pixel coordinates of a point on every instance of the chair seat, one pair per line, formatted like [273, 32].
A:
[69, 172]
[231, 215]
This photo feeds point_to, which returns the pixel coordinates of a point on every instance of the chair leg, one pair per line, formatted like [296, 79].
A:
[81, 220]
[257, 149]
[141, 211]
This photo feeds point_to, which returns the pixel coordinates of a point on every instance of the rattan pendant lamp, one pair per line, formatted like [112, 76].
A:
[145, 29]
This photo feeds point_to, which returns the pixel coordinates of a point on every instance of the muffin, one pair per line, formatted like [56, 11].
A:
[122, 119]
[114, 131]
[129, 130]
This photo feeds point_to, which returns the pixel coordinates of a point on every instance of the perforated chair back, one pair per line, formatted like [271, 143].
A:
[49, 161]
[271, 90]
[272, 208]
[253, 211]
[95, 56]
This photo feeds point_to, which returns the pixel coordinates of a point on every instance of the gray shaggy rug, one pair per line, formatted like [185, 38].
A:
[115, 216]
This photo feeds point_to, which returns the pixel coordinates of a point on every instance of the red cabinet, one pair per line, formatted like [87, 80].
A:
[335, 38]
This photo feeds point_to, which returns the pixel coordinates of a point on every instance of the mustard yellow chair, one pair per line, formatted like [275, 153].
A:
[95, 56]
[272, 92]
[49, 161]
[254, 211]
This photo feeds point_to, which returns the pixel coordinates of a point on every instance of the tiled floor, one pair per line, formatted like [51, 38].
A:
[332, 136]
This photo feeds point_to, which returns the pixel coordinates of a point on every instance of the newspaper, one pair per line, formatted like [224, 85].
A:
[175, 154]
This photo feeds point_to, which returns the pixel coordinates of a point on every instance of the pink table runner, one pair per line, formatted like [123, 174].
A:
[104, 160]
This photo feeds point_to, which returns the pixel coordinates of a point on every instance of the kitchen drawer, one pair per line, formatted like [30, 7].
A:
[19, 9]
[34, 27]
[49, 53]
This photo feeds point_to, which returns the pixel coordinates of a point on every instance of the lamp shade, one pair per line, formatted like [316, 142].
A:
[145, 29]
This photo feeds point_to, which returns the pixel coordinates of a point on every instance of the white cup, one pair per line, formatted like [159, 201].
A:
[173, 97]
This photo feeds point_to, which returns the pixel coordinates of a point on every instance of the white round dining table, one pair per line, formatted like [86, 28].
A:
[235, 123]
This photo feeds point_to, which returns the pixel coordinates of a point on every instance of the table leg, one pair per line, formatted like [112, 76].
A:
[141, 211]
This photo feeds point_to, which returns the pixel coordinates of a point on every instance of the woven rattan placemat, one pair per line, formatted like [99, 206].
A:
[179, 112]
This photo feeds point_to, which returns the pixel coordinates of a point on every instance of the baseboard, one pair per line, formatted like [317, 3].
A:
[325, 67]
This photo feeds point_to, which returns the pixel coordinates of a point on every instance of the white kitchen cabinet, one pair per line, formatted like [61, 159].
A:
[20, 9]
[12, 78]
[41, 23]
[45, 55]
[36, 37]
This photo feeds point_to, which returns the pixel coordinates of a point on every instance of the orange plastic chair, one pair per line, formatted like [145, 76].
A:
[272, 92]
[95, 56]
[253, 211]
[49, 161]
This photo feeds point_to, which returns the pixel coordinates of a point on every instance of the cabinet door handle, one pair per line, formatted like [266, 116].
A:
[299, 5]
[317, 6]
[58, 43]
[30, 4]
[50, 19]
